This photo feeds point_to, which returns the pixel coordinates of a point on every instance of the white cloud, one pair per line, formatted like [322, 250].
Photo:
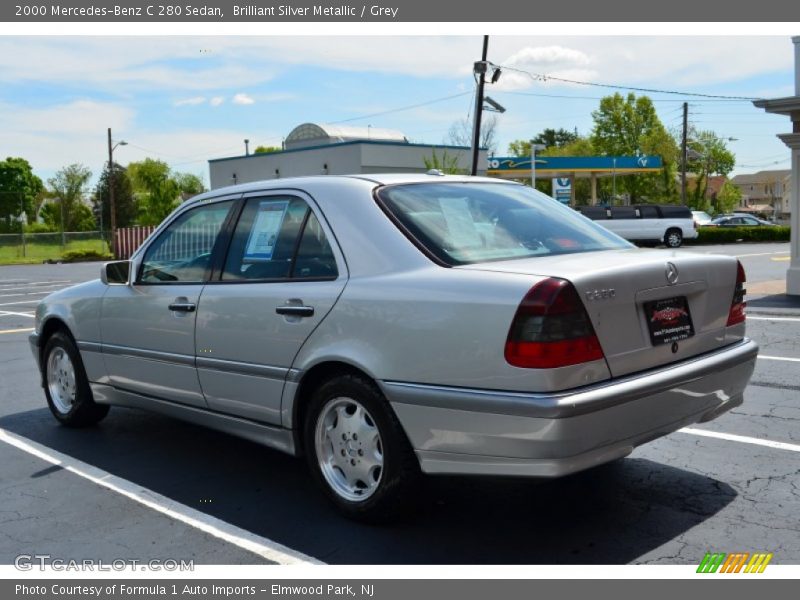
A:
[216, 100]
[191, 101]
[243, 99]
[79, 117]
[126, 65]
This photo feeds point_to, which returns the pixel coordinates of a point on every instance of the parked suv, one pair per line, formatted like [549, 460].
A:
[665, 224]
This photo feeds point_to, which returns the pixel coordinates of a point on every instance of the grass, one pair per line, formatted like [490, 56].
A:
[39, 252]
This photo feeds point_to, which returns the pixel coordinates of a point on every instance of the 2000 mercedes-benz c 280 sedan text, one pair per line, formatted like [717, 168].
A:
[386, 326]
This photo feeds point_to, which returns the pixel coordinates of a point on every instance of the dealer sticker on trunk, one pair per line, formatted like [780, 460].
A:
[668, 320]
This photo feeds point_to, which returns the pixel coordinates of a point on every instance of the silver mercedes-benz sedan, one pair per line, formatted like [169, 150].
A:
[386, 326]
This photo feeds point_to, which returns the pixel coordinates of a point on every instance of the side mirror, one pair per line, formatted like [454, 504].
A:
[116, 273]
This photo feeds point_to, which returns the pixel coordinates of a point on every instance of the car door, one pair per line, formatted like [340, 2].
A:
[652, 228]
[281, 277]
[147, 327]
[626, 222]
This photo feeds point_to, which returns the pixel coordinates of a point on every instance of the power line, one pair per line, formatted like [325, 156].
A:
[544, 78]
[400, 109]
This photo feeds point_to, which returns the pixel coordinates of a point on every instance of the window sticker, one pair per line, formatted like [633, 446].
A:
[266, 227]
[460, 222]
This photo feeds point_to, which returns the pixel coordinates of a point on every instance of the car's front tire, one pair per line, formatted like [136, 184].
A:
[673, 238]
[66, 385]
[358, 452]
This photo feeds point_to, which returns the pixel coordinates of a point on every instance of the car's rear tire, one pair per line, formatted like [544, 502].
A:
[358, 452]
[66, 385]
[673, 238]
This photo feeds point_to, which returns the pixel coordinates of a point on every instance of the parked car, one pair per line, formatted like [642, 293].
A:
[701, 218]
[386, 326]
[741, 221]
[667, 224]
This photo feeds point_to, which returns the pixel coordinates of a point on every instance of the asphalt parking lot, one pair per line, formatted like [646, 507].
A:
[141, 486]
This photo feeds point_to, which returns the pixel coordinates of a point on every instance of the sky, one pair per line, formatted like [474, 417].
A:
[185, 99]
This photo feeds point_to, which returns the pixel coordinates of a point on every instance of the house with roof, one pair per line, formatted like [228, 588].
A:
[766, 192]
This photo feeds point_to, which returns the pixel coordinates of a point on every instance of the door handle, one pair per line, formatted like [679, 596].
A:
[295, 310]
[183, 306]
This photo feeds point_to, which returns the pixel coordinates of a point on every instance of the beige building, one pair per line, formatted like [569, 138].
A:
[766, 192]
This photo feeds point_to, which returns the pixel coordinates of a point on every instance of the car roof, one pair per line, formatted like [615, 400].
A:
[379, 179]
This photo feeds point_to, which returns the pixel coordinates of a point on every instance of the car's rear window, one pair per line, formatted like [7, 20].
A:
[464, 223]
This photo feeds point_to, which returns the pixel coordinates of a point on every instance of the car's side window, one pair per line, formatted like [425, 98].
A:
[265, 240]
[315, 257]
[648, 212]
[182, 252]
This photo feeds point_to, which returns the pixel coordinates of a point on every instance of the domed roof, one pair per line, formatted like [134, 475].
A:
[313, 134]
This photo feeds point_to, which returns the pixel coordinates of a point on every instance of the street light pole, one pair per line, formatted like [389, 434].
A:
[614, 182]
[112, 205]
[534, 148]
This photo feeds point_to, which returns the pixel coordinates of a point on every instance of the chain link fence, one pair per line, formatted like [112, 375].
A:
[41, 247]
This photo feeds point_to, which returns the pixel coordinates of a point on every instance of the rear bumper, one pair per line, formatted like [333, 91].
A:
[471, 431]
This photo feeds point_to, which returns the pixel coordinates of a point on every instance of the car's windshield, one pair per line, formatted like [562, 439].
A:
[463, 223]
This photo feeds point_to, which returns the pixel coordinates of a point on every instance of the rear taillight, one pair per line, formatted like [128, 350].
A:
[551, 329]
[738, 305]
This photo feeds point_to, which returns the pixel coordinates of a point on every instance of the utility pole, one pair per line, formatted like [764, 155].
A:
[112, 206]
[684, 151]
[480, 69]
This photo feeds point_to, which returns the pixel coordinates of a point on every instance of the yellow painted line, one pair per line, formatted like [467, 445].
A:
[16, 330]
[781, 258]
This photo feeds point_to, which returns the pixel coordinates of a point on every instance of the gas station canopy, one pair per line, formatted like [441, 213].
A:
[515, 167]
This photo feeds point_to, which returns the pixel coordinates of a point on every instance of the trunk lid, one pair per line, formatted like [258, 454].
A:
[627, 295]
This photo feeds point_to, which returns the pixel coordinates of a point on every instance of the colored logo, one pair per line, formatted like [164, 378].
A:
[738, 562]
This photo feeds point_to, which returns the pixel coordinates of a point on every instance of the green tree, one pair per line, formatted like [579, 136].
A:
[445, 163]
[80, 217]
[157, 193]
[727, 198]
[124, 200]
[158, 190]
[189, 184]
[20, 190]
[67, 188]
[552, 138]
[629, 126]
[266, 149]
[708, 155]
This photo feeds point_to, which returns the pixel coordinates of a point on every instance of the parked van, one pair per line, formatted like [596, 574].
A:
[663, 224]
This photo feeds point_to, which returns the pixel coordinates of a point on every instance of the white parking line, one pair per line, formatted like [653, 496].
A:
[10, 282]
[32, 287]
[43, 292]
[27, 330]
[762, 254]
[752, 318]
[741, 438]
[784, 358]
[8, 313]
[237, 536]
[21, 302]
